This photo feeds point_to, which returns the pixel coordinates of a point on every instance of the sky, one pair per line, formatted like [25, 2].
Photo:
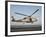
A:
[25, 9]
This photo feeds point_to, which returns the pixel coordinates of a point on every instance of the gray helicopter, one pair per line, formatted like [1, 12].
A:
[26, 19]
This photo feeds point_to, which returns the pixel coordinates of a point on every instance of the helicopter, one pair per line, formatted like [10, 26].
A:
[26, 19]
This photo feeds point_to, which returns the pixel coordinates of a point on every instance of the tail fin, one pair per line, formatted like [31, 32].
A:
[13, 19]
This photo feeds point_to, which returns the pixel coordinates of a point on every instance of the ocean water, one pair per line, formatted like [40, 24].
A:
[15, 28]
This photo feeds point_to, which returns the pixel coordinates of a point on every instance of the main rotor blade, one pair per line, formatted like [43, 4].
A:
[35, 12]
[20, 14]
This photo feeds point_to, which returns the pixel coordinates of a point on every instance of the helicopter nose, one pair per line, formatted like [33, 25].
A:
[34, 20]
